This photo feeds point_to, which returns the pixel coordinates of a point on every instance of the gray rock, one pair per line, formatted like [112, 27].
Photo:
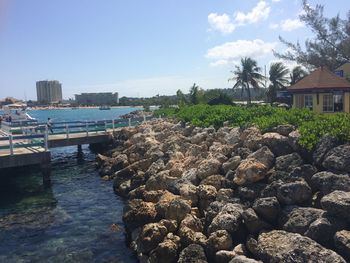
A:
[219, 240]
[178, 209]
[288, 162]
[297, 192]
[268, 208]
[244, 259]
[229, 218]
[326, 144]
[263, 155]
[305, 172]
[322, 230]
[192, 254]
[253, 223]
[231, 164]
[224, 256]
[337, 203]
[298, 219]
[327, 182]
[280, 246]
[277, 143]
[284, 129]
[342, 243]
[338, 159]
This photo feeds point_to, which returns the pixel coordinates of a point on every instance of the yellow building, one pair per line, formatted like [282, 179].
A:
[343, 71]
[322, 91]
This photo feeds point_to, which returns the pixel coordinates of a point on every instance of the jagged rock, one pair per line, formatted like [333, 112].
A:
[297, 192]
[171, 225]
[337, 203]
[322, 230]
[199, 137]
[208, 167]
[253, 223]
[219, 240]
[280, 246]
[338, 159]
[322, 148]
[298, 219]
[250, 171]
[167, 250]
[263, 155]
[163, 203]
[189, 192]
[192, 254]
[251, 138]
[137, 213]
[293, 139]
[268, 208]
[225, 195]
[177, 209]
[231, 164]
[243, 259]
[327, 182]
[224, 256]
[206, 195]
[342, 243]
[288, 162]
[151, 235]
[284, 129]
[161, 181]
[250, 192]
[189, 236]
[191, 176]
[306, 171]
[229, 218]
[277, 143]
[243, 152]
[218, 181]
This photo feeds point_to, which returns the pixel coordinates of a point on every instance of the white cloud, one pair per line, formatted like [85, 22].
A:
[224, 24]
[288, 25]
[230, 52]
[275, 1]
[260, 12]
[221, 23]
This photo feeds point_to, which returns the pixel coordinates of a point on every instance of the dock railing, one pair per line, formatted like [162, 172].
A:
[38, 135]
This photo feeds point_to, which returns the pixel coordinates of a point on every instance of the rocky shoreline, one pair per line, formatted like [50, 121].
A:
[231, 195]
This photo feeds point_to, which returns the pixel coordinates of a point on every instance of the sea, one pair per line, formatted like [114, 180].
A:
[77, 219]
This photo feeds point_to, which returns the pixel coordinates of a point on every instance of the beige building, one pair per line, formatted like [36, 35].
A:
[49, 91]
[322, 91]
[343, 71]
[97, 99]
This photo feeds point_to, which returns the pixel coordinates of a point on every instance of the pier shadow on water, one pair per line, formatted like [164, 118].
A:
[71, 221]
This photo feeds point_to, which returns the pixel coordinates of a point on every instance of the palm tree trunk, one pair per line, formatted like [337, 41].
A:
[249, 98]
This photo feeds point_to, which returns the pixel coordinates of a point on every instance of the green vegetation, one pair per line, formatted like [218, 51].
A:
[312, 126]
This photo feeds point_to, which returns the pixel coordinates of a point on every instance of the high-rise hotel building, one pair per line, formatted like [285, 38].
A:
[49, 91]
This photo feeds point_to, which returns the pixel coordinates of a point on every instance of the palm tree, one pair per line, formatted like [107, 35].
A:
[195, 94]
[297, 74]
[247, 75]
[278, 80]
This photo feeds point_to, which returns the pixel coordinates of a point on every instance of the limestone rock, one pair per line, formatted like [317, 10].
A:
[231, 164]
[342, 243]
[219, 240]
[268, 208]
[208, 167]
[137, 213]
[177, 209]
[297, 192]
[277, 143]
[327, 182]
[192, 254]
[337, 203]
[250, 171]
[338, 159]
[263, 155]
[288, 162]
[280, 246]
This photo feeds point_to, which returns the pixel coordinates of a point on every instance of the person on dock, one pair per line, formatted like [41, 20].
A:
[49, 124]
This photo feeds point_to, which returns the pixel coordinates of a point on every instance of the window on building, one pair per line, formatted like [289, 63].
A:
[299, 101]
[338, 102]
[328, 105]
[308, 101]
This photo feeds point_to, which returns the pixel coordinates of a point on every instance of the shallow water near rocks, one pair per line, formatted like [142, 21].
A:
[67, 222]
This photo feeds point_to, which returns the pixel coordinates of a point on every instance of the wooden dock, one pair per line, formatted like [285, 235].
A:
[34, 148]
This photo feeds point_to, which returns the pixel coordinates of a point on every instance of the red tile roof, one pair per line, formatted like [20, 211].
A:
[320, 79]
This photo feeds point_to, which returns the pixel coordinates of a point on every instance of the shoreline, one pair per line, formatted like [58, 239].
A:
[228, 194]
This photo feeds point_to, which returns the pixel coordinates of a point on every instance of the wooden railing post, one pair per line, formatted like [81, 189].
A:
[105, 126]
[11, 144]
[67, 131]
[46, 138]
[144, 118]
[113, 125]
[129, 122]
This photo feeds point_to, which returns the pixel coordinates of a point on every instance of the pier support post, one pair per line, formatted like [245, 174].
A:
[46, 171]
[80, 155]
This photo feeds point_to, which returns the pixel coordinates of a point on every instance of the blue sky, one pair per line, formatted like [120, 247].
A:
[140, 47]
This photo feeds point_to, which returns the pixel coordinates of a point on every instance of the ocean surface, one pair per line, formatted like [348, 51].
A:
[77, 219]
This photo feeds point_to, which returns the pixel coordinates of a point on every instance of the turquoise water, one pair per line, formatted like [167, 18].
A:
[71, 221]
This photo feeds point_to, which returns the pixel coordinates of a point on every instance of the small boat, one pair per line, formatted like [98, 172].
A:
[105, 107]
[74, 108]
[16, 113]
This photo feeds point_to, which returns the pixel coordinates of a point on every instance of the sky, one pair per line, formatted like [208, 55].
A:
[141, 48]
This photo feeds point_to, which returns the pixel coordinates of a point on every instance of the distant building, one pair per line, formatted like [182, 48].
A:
[97, 99]
[322, 91]
[49, 91]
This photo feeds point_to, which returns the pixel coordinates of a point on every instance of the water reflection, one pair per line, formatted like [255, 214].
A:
[68, 222]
